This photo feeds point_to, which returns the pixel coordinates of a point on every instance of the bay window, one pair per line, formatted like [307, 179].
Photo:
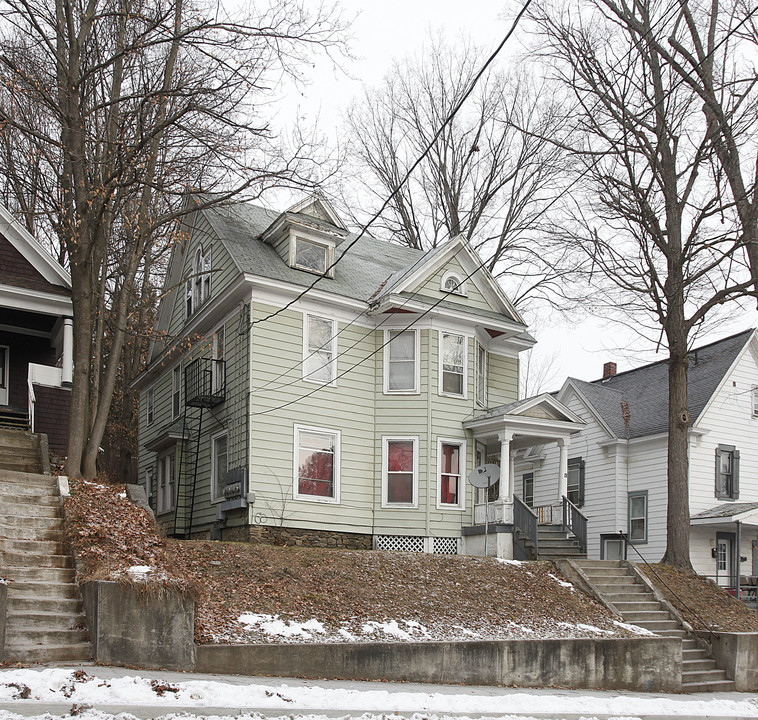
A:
[317, 464]
[451, 454]
[452, 364]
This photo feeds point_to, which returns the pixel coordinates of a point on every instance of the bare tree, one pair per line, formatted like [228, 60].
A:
[489, 175]
[649, 211]
[125, 108]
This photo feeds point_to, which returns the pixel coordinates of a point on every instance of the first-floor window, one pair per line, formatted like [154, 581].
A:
[451, 456]
[166, 470]
[575, 483]
[528, 489]
[400, 471]
[317, 464]
[638, 517]
[220, 456]
[149, 487]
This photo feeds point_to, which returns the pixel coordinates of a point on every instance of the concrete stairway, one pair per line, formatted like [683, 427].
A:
[555, 543]
[614, 580]
[45, 618]
[14, 418]
[20, 451]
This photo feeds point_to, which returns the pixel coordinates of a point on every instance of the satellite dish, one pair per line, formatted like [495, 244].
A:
[484, 476]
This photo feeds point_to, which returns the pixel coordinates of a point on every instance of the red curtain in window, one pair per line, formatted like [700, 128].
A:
[400, 471]
[316, 473]
[449, 465]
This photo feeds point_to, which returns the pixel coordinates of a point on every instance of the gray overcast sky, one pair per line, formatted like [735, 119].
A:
[392, 29]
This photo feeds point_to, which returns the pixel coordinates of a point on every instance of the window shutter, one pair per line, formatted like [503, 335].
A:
[581, 484]
[718, 489]
[736, 474]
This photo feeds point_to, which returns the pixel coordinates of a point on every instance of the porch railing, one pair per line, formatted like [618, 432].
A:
[549, 514]
[487, 512]
[574, 521]
[525, 521]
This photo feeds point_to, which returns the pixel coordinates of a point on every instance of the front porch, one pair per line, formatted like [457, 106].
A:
[507, 524]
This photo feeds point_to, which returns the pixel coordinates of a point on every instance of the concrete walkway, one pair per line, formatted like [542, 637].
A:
[507, 701]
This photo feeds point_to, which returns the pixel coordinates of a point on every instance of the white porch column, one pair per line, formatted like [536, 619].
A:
[67, 371]
[563, 446]
[506, 477]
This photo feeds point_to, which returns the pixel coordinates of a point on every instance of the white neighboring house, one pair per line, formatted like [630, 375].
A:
[617, 463]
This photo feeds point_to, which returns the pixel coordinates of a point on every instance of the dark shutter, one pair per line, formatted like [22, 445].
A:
[581, 484]
[736, 474]
[719, 490]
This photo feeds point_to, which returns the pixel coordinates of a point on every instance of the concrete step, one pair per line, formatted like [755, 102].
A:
[20, 465]
[698, 665]
[10, 497]
[8, 532]
[36, 547]
[708, 687]
[607, 576]
[559, 555]
[642, 606]
[30, 604]
[703, 676]
[593, 564]
[659, 625]
[78, 652]
[639, 617]
[30, 522]
[693, 655]
[28, 559]
[27, 479]
[670, 633]
[618, 598]
[624, 588]
[39, 589]
[39, 574]
[15, 637]
[33, 620]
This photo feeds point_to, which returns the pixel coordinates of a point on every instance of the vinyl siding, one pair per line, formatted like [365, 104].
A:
[502, 380]
[648, 471]
[473, 298]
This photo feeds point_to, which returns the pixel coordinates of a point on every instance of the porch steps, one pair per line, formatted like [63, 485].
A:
[554, 543]
[20, 451]
[614, 581]
[14, 418]
[45, 616]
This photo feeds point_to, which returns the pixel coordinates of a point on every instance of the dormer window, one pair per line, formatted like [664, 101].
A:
[453, 283]
[311, 256]
[198, 289]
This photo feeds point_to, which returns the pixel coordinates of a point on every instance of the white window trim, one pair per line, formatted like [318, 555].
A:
[329, 254]
[150, 484]
[214, 497]
[386, 440]
[460, 290]
[754, 401]
[461, 505]
[215, 385]
[307, 352]
[163, 485]
[296, 465]
[150, 406]
[176, 390]
[440, 334]
[480, 401]
[417, 369]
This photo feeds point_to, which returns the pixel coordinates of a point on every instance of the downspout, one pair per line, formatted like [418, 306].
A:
[430, 396]
[738, 592]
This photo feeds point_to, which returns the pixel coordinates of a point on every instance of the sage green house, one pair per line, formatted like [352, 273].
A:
[315, 387]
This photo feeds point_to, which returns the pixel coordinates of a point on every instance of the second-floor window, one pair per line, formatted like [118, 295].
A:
[481, 376]
[727, 472]
[150, 403]
[452, 364]
[401, 367]
[176, 391]
[319, 350]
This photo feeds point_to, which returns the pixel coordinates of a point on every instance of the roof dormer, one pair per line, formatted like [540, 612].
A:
[306, 235]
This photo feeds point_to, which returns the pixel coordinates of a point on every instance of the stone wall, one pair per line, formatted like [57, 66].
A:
[267, 535]
[3, 613]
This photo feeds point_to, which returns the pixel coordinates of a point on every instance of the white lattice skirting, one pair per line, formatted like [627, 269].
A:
[416, 543]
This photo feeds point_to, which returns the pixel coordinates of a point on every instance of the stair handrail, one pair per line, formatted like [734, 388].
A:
[628, 543]
[575, 521]
[525, 520]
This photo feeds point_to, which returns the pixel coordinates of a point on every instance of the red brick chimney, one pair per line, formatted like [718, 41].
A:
[609, 370]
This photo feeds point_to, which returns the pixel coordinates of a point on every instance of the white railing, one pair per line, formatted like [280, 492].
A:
[497, 511]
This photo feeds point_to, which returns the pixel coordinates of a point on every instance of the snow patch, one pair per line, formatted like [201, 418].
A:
[636, 629]
[561, 581]
[272, 625]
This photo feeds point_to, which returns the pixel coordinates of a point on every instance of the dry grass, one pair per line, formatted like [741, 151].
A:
[701, 602]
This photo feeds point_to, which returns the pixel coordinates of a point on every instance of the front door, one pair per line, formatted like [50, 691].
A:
[4, 374]
[725, 559]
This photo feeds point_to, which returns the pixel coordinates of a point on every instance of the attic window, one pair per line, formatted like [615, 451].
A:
[453, 283]
[311, 256]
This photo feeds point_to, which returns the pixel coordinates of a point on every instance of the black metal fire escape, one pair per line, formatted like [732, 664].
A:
[204, 388]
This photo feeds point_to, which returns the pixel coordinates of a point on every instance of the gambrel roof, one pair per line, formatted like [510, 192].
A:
[634, 403]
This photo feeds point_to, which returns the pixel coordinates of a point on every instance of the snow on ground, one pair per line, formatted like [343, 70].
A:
[22, 687]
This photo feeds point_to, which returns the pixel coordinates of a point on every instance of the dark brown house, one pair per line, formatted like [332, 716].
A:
[35, 335]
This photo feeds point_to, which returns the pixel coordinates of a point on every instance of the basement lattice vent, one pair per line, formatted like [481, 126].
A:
[401, 543]
[445, 546]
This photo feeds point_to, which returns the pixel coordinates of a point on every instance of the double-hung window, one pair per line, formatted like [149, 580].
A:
[166, 469]
[150, 406]
[220, 464]
[317, 460]
[452, 364]
[401, 364]
[219, 374]
[481, 375]
[176, 392]
[527, 489]
[451, 454]
[727, 472]
[198, 287]
[638, 516]
[320, 350]
[400, 472]
[754, 398]
[575, 482]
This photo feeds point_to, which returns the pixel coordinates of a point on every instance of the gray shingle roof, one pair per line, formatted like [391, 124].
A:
[358, 275]
[725, 510]
[645, 389]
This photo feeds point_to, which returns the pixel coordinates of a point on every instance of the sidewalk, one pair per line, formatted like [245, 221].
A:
[148, 694]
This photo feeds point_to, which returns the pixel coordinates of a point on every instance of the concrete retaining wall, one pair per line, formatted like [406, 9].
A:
[737, 655]
[653, 664]
[127, 627]
[3, 615]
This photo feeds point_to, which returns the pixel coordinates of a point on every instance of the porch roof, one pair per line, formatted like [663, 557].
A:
[746, 512]
[538, 419]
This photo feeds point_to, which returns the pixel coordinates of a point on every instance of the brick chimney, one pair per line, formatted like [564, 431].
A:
[609, 370]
